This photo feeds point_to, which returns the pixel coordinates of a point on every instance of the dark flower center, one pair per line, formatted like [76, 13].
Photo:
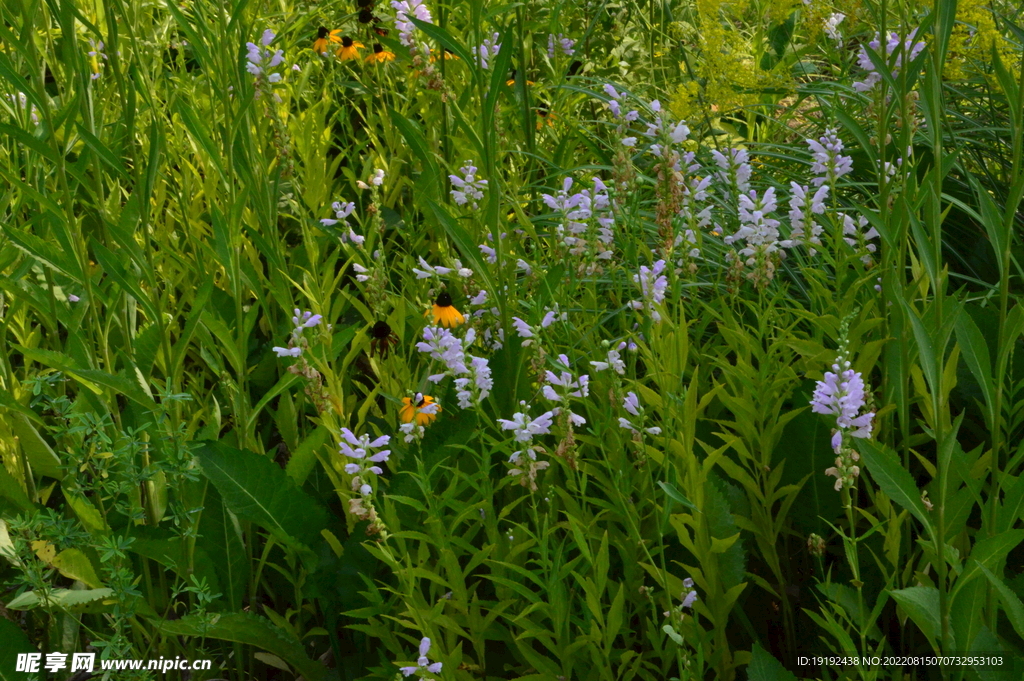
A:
[377, 48]
[321, 33]
[443, 300]
[381, 330]
[346, 41]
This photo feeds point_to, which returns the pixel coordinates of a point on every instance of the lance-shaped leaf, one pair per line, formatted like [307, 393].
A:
[258, 490]
[893, 478]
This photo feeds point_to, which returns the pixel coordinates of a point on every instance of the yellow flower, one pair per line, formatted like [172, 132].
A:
[444, 54]
[349, 49]
[444, 312]
[412, 409]
[379, 54]
[323, 38]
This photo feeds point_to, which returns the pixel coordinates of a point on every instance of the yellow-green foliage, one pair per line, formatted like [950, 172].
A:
[974, 36]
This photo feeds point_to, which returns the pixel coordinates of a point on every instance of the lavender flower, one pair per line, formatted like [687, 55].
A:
[858, 239]
[361, 272]
[552, 315]
[261, 59]
[488, 50]
[403, 10]
[489, 253]
[20, 100]
[904, 48]
[341, 212]
[412, 432]
[301, 321]
[423, 665]
[829, 163]
[578, 214]
[96, 58]
[522, 328]
[361, 449]
[305, 320]
[564, 43]
[688, 596]
[613, 361]
[468, 188]
[476, 386]
[842, 394]
[801, 221]
[832, 27]
[735, 168]
[760, 232]
[95, 55]
[445, 347]
[430, 271]
[652, 288]
[569, 386]
[525, 429]
[631, 403]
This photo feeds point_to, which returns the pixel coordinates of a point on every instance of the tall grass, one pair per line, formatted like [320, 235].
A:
[173, 485]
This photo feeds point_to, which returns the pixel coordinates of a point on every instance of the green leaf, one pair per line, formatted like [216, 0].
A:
[676, 495]
[221, 537]
[764, 667]
[250, 630]
[257, 489]
[894, 480]
[90, 378]
[87, 513]
[39, 454]
[167, 549]
[128, 283]
[102, 152]
[74, 564]
[196, 127]
[987, 553]
[974, 349]
[283, 384]
[464, 242]
[10, 489]
[922, 604]
[1014, 608]
[15, 641]
[431, 179]
[63, 599]
[302, 460]
[445, 39]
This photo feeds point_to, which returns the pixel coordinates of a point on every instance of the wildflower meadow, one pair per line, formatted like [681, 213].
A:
[549, 340]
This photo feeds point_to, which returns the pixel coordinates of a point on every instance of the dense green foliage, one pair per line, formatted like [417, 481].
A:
[681, 215]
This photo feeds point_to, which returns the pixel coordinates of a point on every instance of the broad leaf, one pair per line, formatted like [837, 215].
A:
[257, 489]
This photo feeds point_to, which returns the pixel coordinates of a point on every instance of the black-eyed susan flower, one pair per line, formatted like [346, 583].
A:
[366, 16]
[379, 54]
[512, 79]
[443, 54]
[544, 114]
[349, 49]
[444, 313]
[382, 339]
[420, 409]
[324, 37]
